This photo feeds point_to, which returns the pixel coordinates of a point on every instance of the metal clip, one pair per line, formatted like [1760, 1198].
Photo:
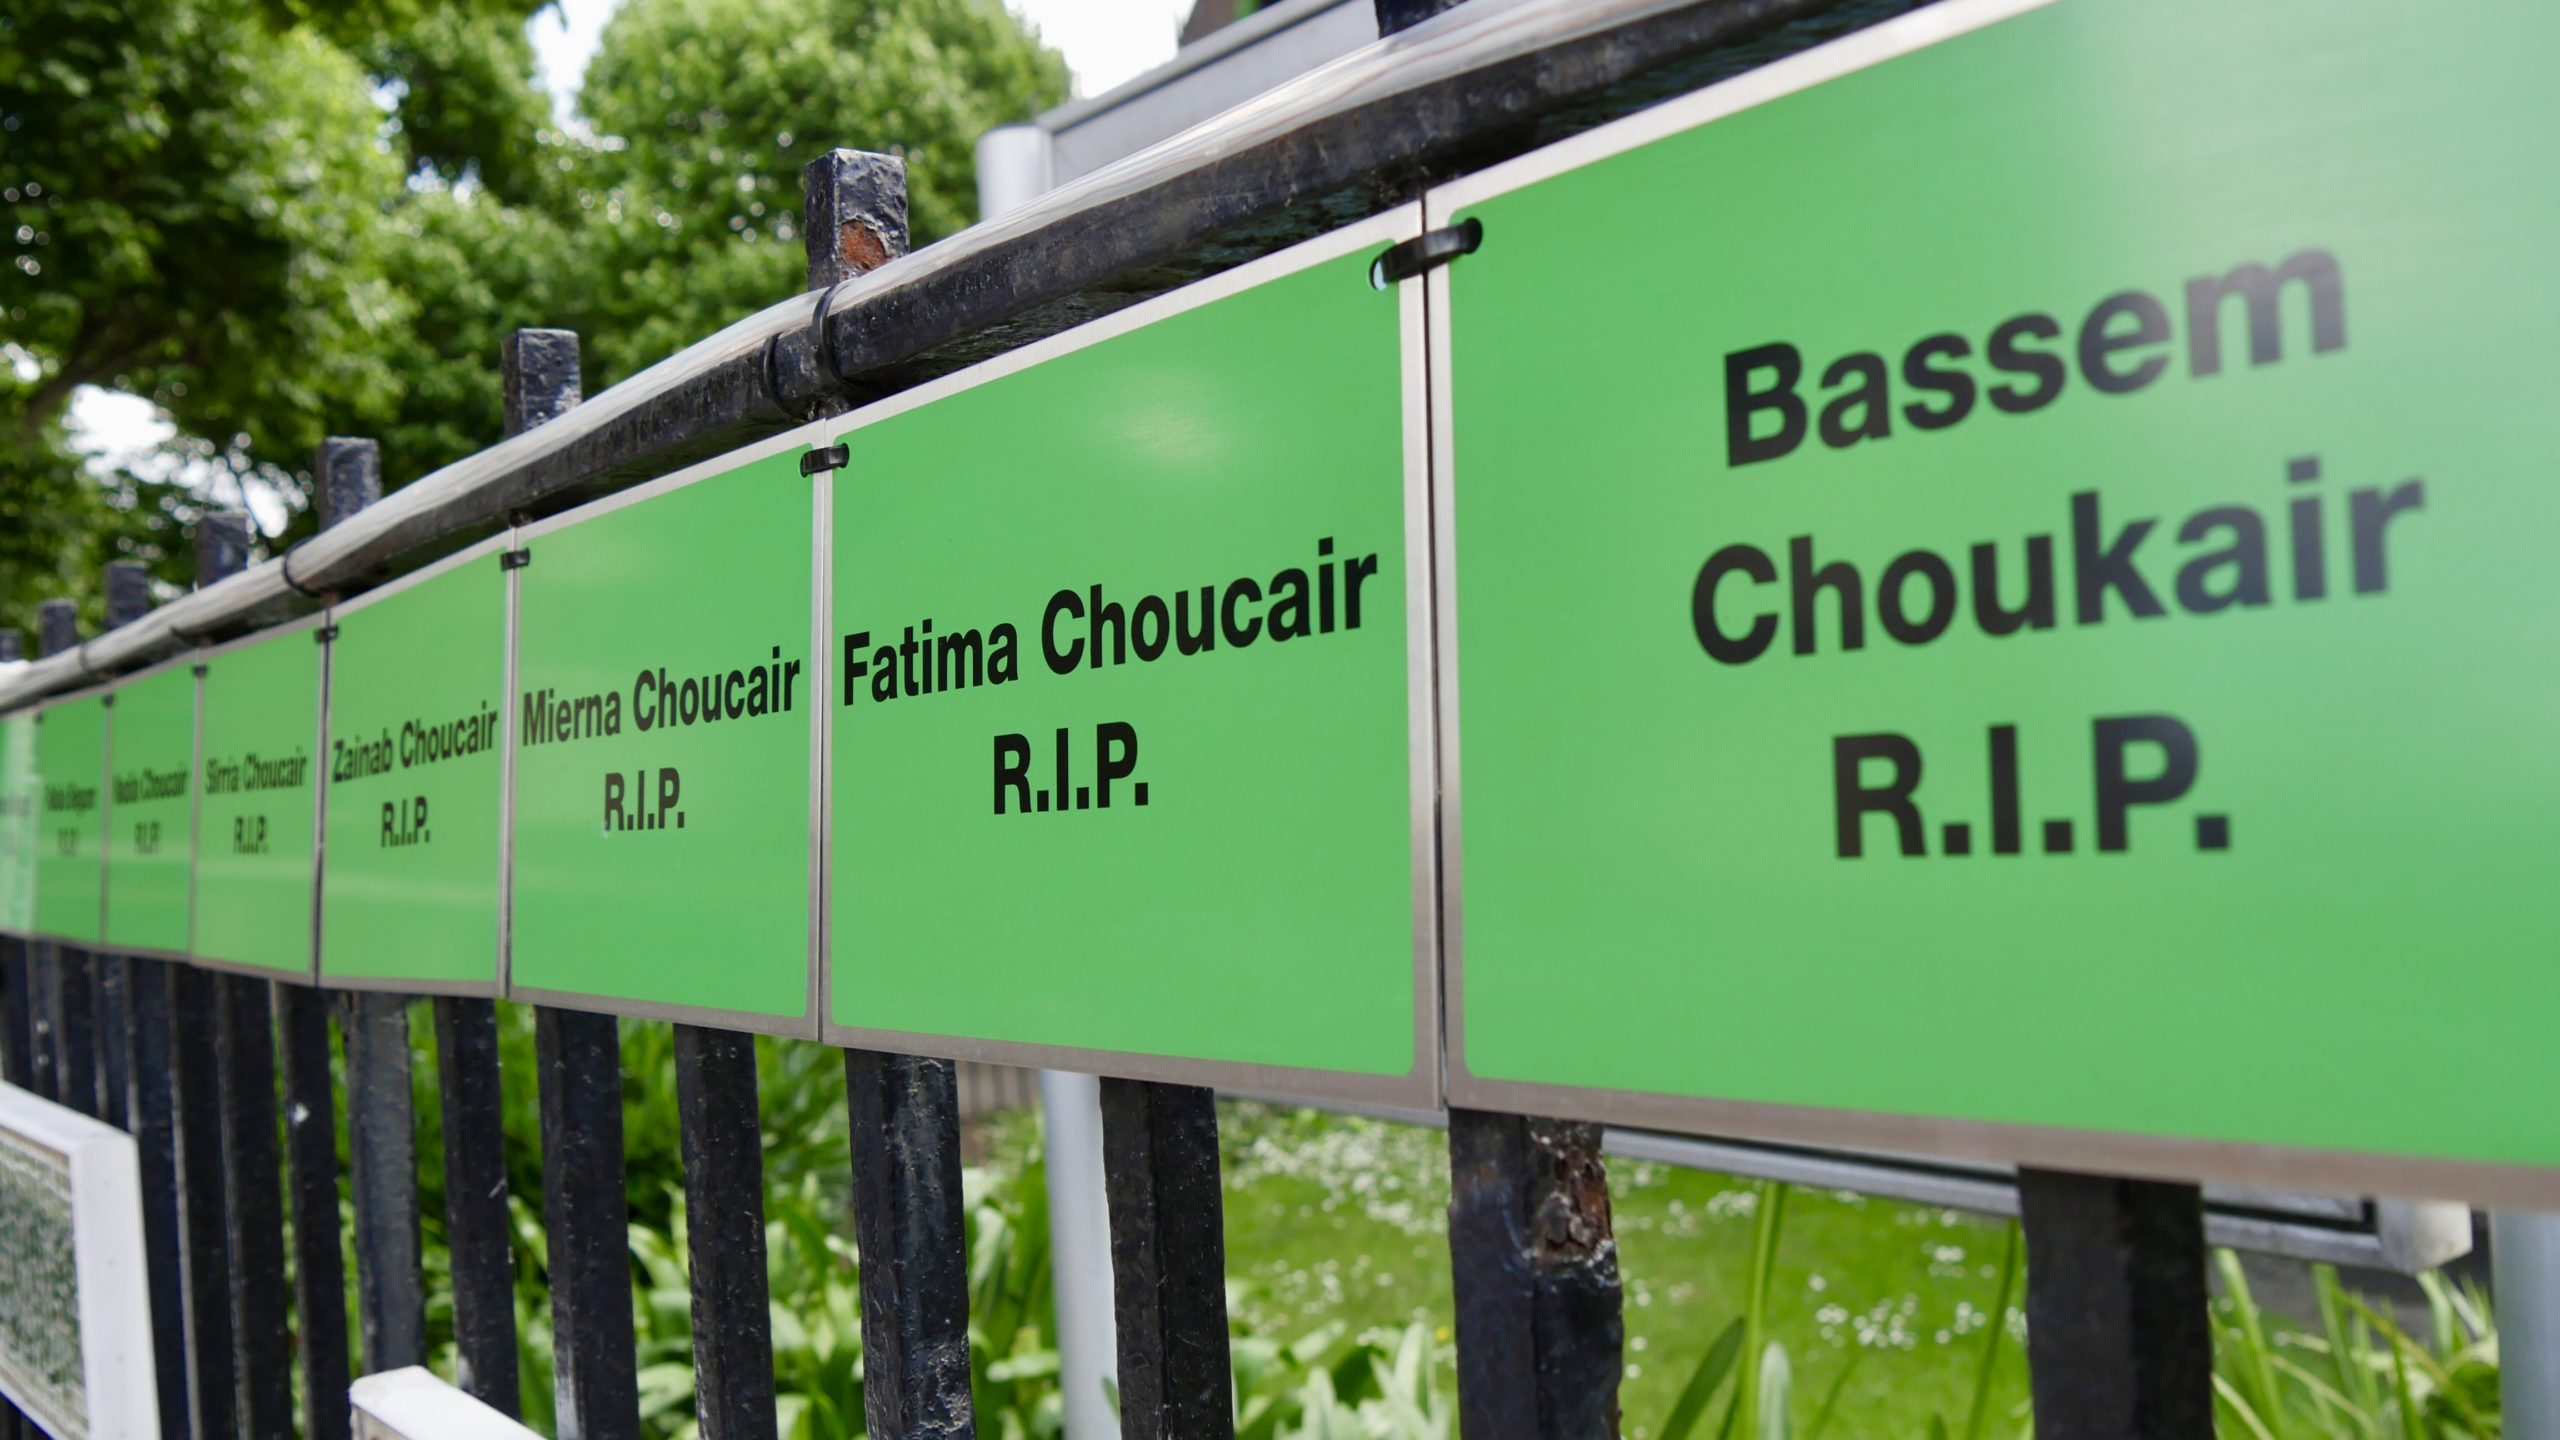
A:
[324, 634]
[514, 559]
[1427, 251]
[832, 457]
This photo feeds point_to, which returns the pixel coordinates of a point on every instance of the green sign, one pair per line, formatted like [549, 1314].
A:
[417, 696]
[71, 764]
[260, 767]
[2008, 587]
[21, 798]
[1123, 759]
[663, 734]
[151, 759]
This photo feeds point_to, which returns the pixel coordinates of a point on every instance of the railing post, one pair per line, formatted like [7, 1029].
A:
[578, 1059]
[382, 1121]
[2119, 1344]
[1168, 1260]
[1533, 1261]
[181, 1020]
[539, 381]
[477, 1224]
[382, 1167]
[723, 1145]
[151, 1107]
[205, 1249]
[904, 1110]
[128, 587]
[245, 1049]
[17, 1025]
[908, 1222]
[311, 1151]
[595, 1364]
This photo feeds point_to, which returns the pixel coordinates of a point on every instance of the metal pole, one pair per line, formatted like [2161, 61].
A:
[151, 1106]
[538, 381]
[205, 1249]
[478, 1227]
[57, 630]
[319, 1269]
[904, 1110]
[905, 1125]
[128, 597]
[382, 1119]
[723, 1144]
[253, 1202]
[594, 1363]
[2119, 1345]
[2524, 1250]
[382, 1164]
[578, 1065]
[1168, 1260]
[1080, 1251]
[1013, 170]
[1533, 1269]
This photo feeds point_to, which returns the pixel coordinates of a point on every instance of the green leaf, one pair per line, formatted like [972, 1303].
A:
[1703, 1381]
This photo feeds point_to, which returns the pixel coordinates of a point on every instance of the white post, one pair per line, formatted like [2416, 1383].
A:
[2525, 1253]
[1080, 1252]
[1013, 170]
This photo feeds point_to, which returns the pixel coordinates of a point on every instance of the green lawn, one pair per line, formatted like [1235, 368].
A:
[1332, 1217]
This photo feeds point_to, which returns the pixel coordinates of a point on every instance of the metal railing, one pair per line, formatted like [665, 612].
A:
[190, 1061]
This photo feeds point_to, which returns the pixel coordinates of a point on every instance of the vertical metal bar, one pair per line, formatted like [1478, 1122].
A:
[2525, 1249]
[311, 1154]
[594, 1363]
[75, 1074]
[1533, 1260]
[244, 1048]
[205, 1252]
[45, 1042]
[150, 1108]
[382, 1164]
[107, 1027]
[2118, 1344]
[723, 1142]
[57, 630]
[1079, 1251]
[17, 1018]
[178, 1069]
[1168, 1260]
[578, 1067]
[477, 1224]
[128, 598]
[905, 1122]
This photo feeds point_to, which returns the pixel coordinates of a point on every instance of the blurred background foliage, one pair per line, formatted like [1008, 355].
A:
[279, 219]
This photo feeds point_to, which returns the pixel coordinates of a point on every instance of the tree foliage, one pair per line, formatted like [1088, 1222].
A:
[281, 219]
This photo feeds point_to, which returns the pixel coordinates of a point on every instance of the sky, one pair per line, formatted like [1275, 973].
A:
[1105, 42]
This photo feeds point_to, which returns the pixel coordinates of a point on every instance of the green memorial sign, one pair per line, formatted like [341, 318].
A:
[71, 767]
[259, 767]
[151, 753]
[2001, 601]
[1128, 695]
[21, 798]
[664, 694]
[417, 707]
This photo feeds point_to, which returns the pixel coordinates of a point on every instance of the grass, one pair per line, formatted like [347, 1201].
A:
[1330, 1217]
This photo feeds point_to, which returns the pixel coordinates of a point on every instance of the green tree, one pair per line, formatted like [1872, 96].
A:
[706, 110]
[279, 219]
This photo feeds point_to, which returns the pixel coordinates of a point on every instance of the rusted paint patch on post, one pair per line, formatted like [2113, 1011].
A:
[1534, 1271]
